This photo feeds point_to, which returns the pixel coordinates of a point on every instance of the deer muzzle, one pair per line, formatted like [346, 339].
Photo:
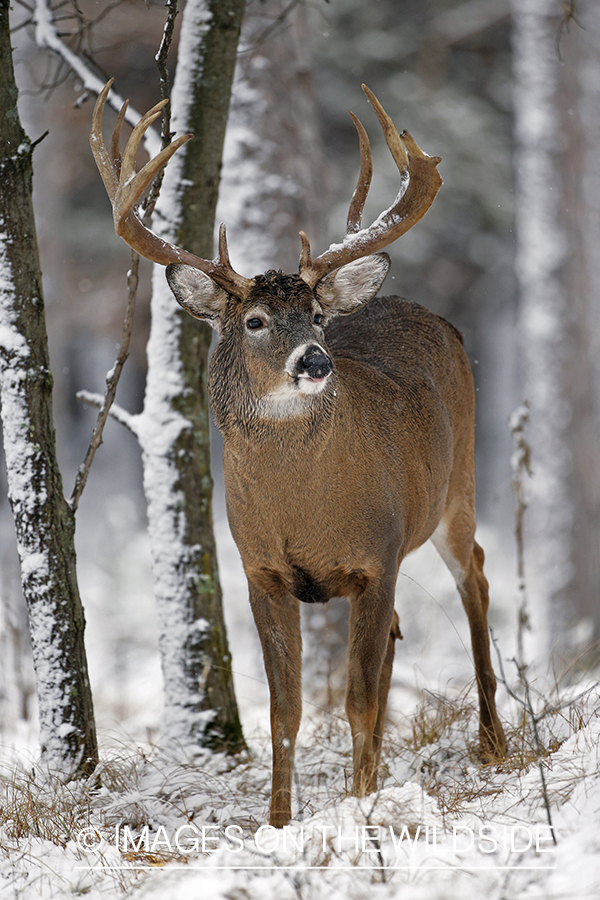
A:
[314, 364]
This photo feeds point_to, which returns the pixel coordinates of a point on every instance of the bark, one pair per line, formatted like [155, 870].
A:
[200, 706]
[43, 519]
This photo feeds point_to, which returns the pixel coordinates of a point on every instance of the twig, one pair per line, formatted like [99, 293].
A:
[46, 37]
[521, 466]
[528, 706]
[165, 94]
[112, 382]
[116, 412]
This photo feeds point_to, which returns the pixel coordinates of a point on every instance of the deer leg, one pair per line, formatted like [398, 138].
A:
[370, 646]
[464, 557]
[277, 620]
[384, 688]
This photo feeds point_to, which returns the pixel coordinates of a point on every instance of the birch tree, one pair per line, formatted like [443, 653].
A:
[558, 276]
[44, 520]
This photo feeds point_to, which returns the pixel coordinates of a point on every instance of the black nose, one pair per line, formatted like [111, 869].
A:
[315, 363]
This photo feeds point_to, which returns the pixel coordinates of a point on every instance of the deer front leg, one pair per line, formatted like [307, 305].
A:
[277, 618]
[385, 680]
[371, 643]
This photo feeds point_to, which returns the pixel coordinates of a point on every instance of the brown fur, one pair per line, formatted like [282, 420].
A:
[327, 503]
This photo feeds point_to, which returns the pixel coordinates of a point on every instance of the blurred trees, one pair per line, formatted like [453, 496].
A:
[557, 69]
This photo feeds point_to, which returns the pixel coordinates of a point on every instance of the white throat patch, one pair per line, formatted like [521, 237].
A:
[289, 399]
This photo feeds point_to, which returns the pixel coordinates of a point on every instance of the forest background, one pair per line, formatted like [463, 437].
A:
[509, 96]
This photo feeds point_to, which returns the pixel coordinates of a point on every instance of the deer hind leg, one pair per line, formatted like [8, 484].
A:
[277, 620]
[370, 658]
[454, 540]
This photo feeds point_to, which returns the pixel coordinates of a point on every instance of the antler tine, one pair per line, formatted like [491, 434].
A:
[364, 179]
[132, 185]
[419, 183]
[103, 160]
[125, 186]
[390, 132]
[242, 285]
[115, 146]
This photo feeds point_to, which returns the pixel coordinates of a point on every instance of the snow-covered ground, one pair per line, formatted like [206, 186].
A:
[441, 825]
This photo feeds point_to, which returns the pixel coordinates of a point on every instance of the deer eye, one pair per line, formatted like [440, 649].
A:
[254, 323]
[318, 319]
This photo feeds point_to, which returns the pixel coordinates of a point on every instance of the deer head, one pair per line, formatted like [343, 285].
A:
[272, 324]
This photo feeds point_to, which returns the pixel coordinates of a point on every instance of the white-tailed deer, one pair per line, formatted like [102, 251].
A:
[348, 429]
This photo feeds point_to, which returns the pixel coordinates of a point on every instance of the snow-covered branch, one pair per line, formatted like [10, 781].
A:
[47, 38]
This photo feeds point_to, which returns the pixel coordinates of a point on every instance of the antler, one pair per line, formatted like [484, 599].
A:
[419, 183]
[124, 187]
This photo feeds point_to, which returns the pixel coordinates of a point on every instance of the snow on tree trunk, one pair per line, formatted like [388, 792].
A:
[555, 326]
[43, 519]
[200, 707]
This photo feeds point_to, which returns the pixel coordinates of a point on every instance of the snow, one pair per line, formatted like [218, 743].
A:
[442, 825]
[26, 466]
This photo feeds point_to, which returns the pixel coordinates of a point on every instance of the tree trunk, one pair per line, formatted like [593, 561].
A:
[556, 319]
[273, 171]
[44, 521]
[200, 707]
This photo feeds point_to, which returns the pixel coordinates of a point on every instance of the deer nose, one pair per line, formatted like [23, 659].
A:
[315, 363]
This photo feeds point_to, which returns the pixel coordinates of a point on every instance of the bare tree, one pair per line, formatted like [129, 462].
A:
[44, 521]
[558, 277]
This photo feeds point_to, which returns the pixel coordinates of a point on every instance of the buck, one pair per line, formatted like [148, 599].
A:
[348, 439]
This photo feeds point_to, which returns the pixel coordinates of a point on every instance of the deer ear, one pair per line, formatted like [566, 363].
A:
[197, 293]
[351, 286]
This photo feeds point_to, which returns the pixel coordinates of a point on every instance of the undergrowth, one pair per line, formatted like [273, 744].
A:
[148, 788]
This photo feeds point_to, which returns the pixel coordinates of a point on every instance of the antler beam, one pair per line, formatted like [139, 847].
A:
[420, 182]
[125, 186]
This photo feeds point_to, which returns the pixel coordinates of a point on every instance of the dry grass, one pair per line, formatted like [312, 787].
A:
[45, 808]
[147, 789]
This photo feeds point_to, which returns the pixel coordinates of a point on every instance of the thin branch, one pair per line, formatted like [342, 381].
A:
[106, 405]
[47, 38]
[520, 462]
[165, 94]
[276, 23]
[535, 718]
[112, 381]
[116, 412]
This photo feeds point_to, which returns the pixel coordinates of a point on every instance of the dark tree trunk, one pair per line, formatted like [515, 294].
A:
[44, 521]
